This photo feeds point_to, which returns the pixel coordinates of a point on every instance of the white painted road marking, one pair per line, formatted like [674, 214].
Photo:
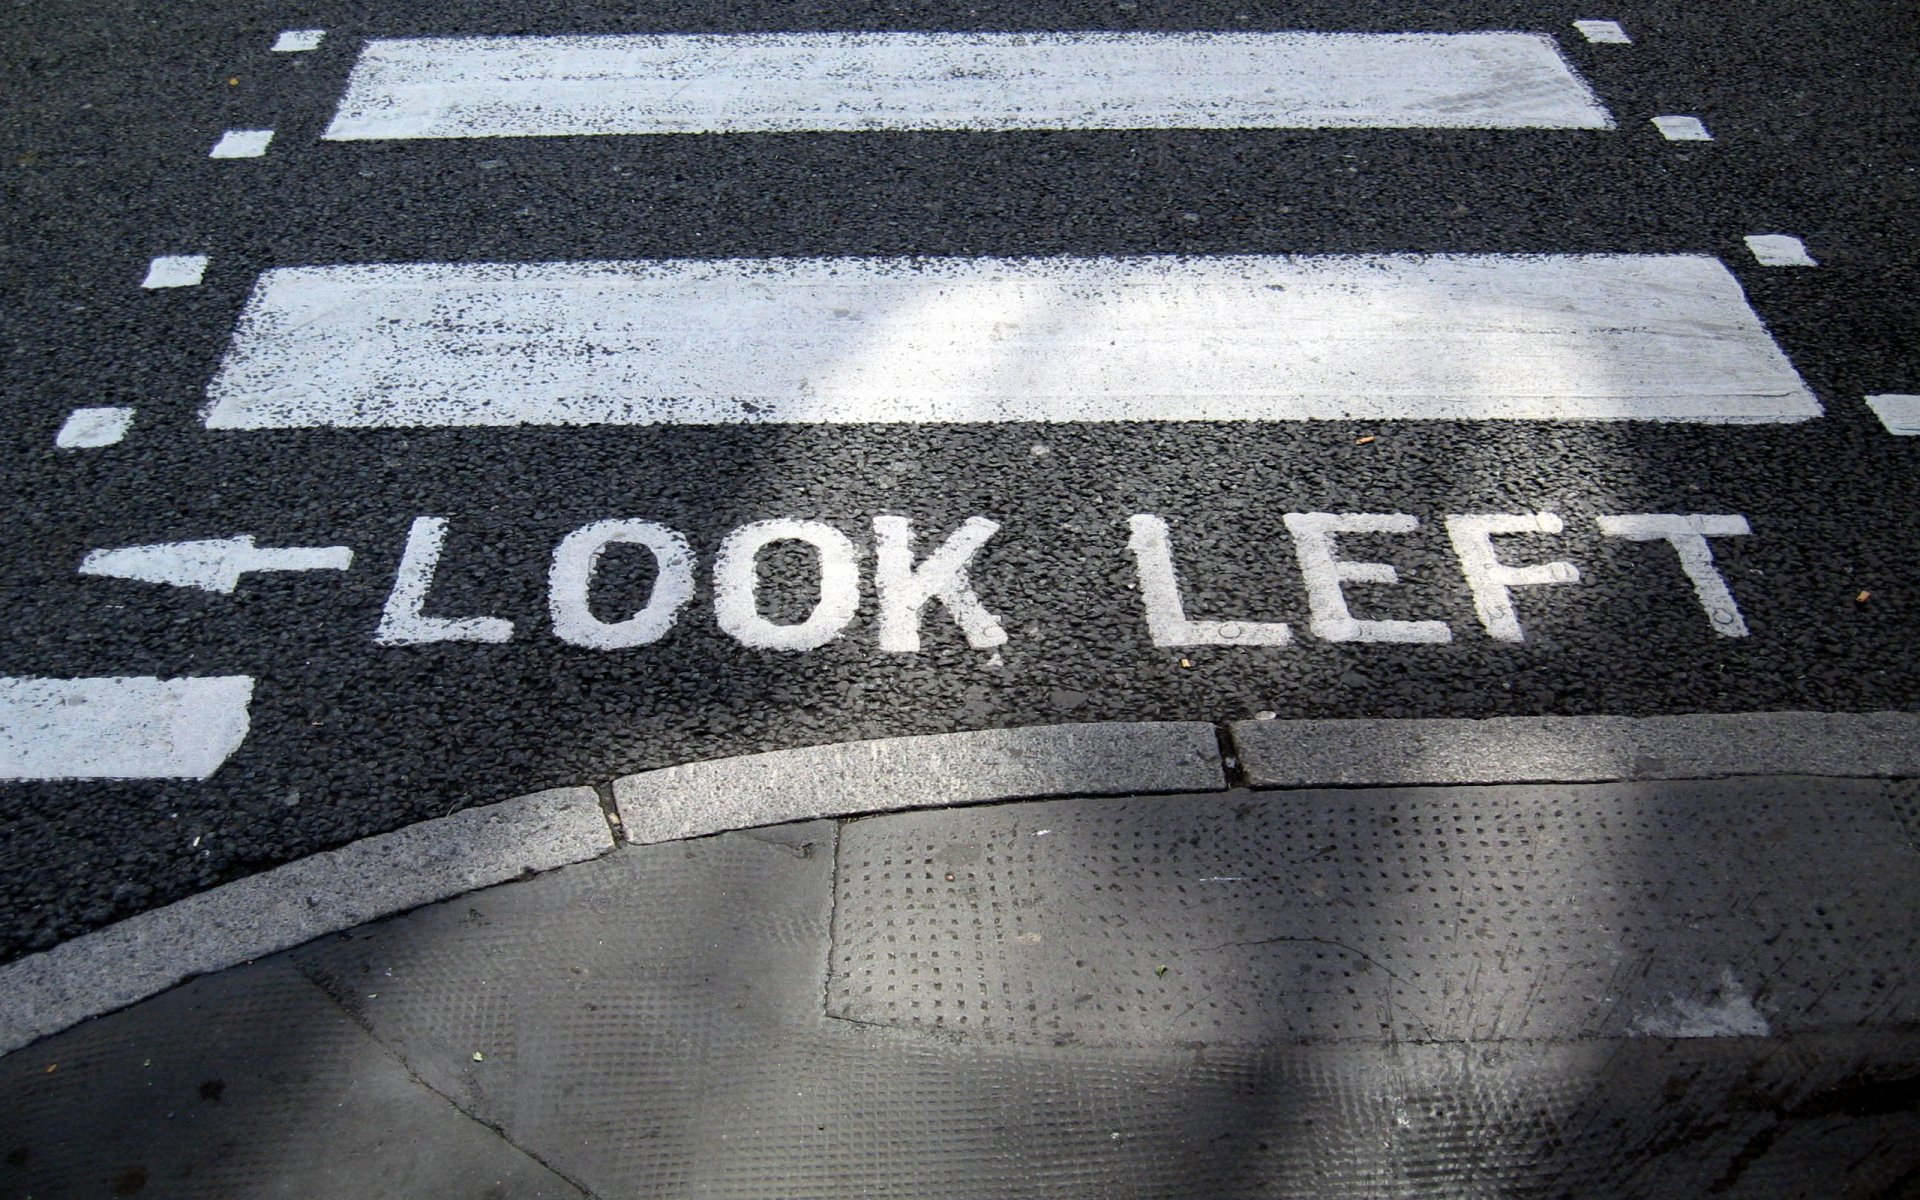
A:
[905, 589]
[1688, 534]
[88, 428]
[736, 583]
[902, 587]
[574, 562]
[121, 728]
[1682, 129]
[293, 41]
[1167, 621]
[1491, 580]
[1603, 32]
[1779, 250]
[1404, 337]
[824, 82]
[1325, 571]
[242, 143]
[214, 565]
[1899, 413]
[175, 270]
[404, 622]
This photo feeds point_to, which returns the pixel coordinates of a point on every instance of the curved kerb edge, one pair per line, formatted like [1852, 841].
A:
[438, 859]
[435, 860]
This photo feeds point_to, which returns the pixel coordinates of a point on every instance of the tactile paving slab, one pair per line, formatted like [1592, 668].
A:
[654, 1023]
[1720, 908]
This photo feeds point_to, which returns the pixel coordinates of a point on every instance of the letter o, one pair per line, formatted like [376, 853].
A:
[736, 581]
[574, 562]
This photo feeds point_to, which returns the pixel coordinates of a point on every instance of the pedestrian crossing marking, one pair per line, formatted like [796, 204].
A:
[175, 270]
[121, 727]
[91, 428]
[880, 340]
[242, 143]
[1900, 414]
[1779, 250]
[465, 87]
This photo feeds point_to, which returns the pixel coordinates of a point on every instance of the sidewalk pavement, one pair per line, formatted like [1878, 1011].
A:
[1638, 988]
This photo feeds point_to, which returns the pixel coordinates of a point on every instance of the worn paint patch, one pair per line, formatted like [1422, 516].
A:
[1727, 1011]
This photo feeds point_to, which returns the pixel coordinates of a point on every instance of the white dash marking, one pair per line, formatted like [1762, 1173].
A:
[858, 340]
[1606, 33]
[121, 728]
[241, 143]
[1682, 129]
[293, 41]
[175, 270]
[857, 82]
[87, 428]
[1899, 413]
[1779, 250]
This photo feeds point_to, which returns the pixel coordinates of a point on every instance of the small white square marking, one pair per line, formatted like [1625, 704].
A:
[1900, 414]
[175, 270]
[292, 41]
[1605, 32]
[242, 143]
[1779, 250]
[89, 427]
[1682, 129]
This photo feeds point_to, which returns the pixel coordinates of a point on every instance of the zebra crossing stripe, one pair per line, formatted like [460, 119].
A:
[1252, 338]
[1898, 413]
[121, 727]
[465, 87]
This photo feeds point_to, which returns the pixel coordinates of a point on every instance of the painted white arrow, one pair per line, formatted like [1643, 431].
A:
[214, 565]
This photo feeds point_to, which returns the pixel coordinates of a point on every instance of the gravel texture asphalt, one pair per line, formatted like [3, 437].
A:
[103, 165]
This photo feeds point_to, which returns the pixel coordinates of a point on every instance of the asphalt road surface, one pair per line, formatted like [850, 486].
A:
[386, 691]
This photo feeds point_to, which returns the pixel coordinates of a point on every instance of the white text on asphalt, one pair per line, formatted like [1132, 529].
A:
[904, 587]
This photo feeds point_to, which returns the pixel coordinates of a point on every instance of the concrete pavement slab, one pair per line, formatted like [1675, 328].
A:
[662, 1020]
[1707, 909]
[248, 1085]
[672, 1019]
